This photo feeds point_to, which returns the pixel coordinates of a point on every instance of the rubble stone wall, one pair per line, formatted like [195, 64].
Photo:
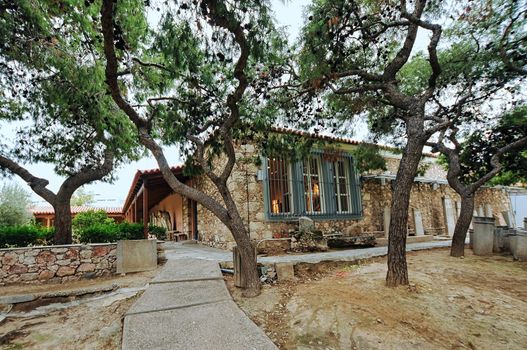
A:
[427, 198]
[56, 264]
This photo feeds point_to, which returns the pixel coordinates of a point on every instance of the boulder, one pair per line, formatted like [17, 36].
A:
[305, 224]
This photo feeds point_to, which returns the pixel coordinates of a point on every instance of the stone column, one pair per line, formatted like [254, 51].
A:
[483, 235]
[418, 221]
[387, 215]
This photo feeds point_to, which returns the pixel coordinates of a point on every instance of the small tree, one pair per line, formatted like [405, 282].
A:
[14, 205]
[50, 83]
[477, 160]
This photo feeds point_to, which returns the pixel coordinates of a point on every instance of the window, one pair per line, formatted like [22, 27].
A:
[279, 174]
[312, 184]
[318, 186]
[341, 181]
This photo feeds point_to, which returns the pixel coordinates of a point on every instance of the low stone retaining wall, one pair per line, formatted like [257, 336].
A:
[56, 264]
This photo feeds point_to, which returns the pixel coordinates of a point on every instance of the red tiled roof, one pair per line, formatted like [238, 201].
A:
[346, 140]
[77, 209]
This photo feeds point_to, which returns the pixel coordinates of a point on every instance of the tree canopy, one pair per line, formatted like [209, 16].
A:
[15, 203]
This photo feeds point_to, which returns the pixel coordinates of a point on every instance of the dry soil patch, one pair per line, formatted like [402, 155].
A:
[93, 325]
[452, 303]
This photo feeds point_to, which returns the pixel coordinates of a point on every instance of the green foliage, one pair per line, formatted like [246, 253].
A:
[478, 149]
[89, 218]
[110, 232]
[24, 235]
[159, 232]
[51, 79]
[14, 205]
[366, 157]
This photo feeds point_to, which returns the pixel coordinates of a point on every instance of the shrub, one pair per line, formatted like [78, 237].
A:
[158, 231]
[99, 233]
[110, 232]
[24, 235]
[129, 230]
[89, 218]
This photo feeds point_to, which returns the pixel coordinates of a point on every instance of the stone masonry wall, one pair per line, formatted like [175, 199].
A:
[56, 264]
[426, 197]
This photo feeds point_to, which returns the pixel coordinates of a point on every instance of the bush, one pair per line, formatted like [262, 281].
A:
[110, 232]
[158, 231]
[89, 218]
[98, 233]
[129, 230]
[24, 235]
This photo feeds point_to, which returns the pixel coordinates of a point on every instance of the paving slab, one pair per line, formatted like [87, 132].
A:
[188, 306]
[188, 268]
[165, 296]
[212, 326]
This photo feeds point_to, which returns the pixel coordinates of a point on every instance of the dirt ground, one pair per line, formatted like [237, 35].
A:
[451, 303]
[96, 323]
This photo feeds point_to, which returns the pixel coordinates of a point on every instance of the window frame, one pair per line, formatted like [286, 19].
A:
[329, 205]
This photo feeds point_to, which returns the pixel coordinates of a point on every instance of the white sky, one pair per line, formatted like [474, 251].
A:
[288, 14]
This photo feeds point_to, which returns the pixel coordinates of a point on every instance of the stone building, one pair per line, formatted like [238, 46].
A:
[325, 186]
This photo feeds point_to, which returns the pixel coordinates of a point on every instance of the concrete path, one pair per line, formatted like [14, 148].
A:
[177, 250]
[188, 306]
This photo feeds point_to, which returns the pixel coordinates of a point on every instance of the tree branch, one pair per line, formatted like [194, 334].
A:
[37, 184]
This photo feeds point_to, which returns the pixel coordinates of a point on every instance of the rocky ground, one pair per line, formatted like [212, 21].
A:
[90, 321]
[452, 303]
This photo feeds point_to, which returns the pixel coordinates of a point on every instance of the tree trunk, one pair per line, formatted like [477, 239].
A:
[63, 233]
[249, 269]
[397, 268]
[462, 225]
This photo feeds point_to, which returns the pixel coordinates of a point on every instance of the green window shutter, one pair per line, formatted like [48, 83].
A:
[356, 200]
[329, 189]
[298, 188]
[265, 169]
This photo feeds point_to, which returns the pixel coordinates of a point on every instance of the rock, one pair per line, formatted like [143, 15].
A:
[86, 268]
[89, 275]
[284, 271]
[99, 251]
[18, 269]
[85, 254]
[305, 224]
[9, 259]
[45, 257]
[28, 276]
[71, 254]
[353, 230]
[63, 262]
[15, 299]
[59, 250]
[65, 271]
[46, 275]
[277, 246]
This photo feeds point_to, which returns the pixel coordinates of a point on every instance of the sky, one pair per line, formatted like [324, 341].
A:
[289, 14]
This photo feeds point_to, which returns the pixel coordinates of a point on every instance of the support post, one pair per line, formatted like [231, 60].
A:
[145, 209]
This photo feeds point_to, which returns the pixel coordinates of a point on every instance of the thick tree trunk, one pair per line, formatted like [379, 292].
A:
[63, 233]
[462, 225]
[249, 269]
[397, 268]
